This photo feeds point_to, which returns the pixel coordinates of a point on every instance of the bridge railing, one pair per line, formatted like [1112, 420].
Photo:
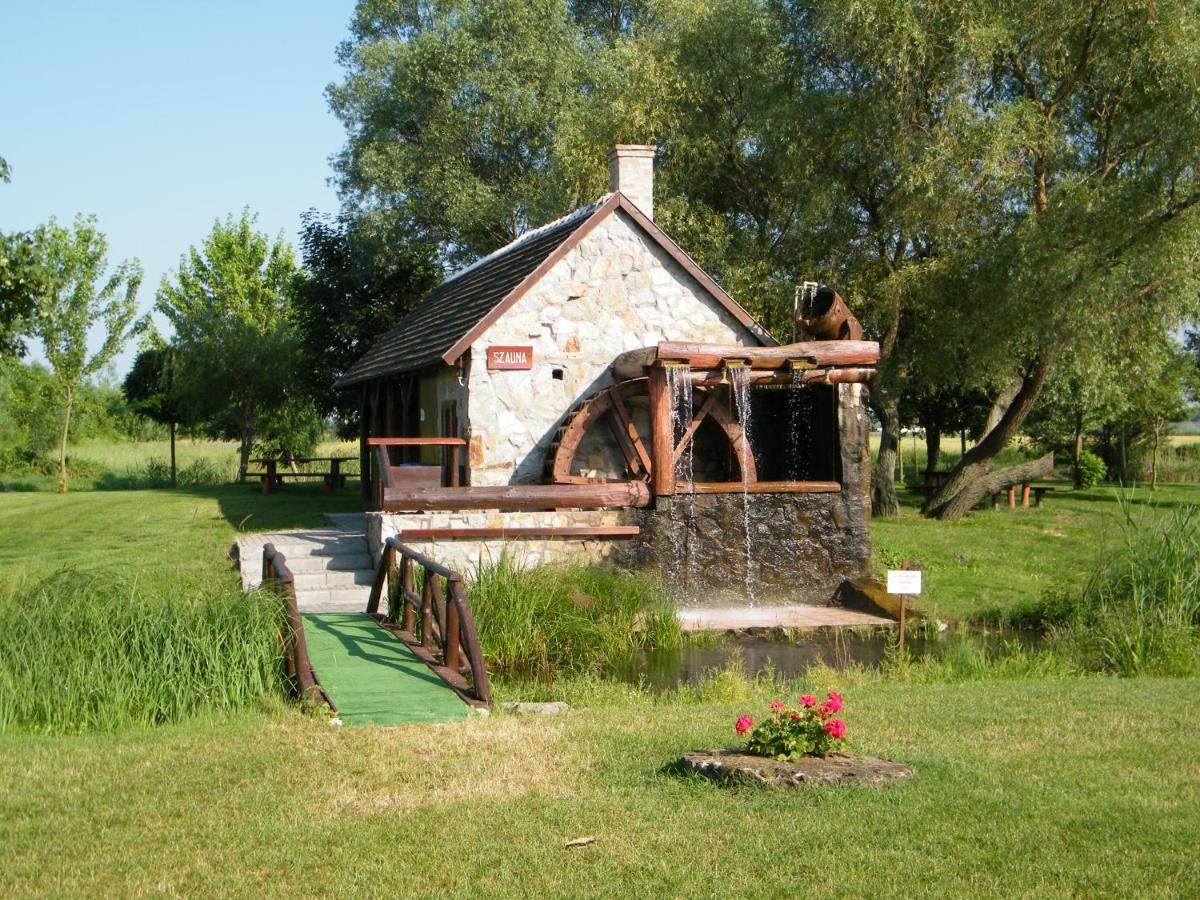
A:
[277, 577]
[439, 613]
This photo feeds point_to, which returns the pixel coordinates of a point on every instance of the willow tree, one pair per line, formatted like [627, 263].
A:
[75, 295]
[1099, 231]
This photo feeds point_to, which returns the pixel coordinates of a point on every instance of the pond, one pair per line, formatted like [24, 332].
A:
[790, 654]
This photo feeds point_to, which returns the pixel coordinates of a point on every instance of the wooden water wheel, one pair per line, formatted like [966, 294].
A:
[610, 408]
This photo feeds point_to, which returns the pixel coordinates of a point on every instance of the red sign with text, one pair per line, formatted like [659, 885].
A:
[509, 358]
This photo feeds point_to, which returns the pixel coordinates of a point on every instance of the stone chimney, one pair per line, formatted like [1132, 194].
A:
[631, 171]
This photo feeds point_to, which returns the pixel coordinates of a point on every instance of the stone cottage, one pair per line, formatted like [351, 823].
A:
[593, 359]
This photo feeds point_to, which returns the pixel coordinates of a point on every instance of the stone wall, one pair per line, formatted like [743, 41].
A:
[616, 291]
[464, 555]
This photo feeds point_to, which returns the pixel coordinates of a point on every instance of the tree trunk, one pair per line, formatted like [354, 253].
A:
[1124, 459]
[1001, 404]
[247, 443]
[1077, 447]
[1154, 457]
[884, 501]
[933, 448]
[962, 442]
[972, 478]
[174, 471]
[62, 445]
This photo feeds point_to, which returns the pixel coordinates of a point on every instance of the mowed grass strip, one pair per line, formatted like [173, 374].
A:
[1081, 786]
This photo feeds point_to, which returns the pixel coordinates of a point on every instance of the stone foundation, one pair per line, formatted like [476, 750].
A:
[801, 547]
[465, 554]
[739, 767]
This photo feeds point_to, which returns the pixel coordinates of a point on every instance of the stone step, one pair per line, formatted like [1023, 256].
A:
[297, 550]
[344, 563]
[307, 581]
[337, 600]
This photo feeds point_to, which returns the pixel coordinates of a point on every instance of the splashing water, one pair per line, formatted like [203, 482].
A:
[739, 379]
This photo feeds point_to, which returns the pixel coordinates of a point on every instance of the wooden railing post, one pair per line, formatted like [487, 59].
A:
[406, 587]
[427, 609]
[393, 581]
[450, 642]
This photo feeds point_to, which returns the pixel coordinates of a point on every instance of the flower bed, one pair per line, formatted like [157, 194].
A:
[807, 729]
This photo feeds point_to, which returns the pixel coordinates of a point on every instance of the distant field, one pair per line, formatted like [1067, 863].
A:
[132, 455]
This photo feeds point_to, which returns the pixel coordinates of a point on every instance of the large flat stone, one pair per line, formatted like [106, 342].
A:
[737, 766]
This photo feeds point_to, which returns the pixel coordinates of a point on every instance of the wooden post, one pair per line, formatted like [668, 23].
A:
[454, 467]
[1025, 495]
[427, 610]
[450, 642]
[364, 452]
[662, 437]
[1012, 496]
[406, 588]
[393, 583]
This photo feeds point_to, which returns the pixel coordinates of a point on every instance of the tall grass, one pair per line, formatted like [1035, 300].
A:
[535, 623]
[1139, 612]
[96, 652]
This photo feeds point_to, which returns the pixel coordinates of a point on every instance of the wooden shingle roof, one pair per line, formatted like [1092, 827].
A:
[444, 325]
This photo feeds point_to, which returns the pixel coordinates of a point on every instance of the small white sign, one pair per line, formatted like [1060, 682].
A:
[904, 581]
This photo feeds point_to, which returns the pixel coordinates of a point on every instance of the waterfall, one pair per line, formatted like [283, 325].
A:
[679, 389]
[799, 431]
[739, 379]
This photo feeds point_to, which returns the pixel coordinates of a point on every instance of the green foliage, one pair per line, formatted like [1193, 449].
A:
[75, 295]
[155, 652]
[20, 282]
[235, 334]
[359, 278]
[565, 618]
[454, 110]
[1089, 470]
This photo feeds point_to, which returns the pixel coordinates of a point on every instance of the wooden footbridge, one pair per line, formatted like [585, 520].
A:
[411, 656]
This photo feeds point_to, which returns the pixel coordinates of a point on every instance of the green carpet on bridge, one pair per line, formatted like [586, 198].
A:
[372, 677]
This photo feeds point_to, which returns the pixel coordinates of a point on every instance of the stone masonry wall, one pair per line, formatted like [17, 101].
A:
[614, 292]
[464, 555]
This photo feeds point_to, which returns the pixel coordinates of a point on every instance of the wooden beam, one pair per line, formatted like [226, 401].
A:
[417, 442]
[662, 437]
[566, 531]
[846, 375]
[759, 487]
[705, 408]
[634, 363]
[613, 495]
[622, 412]
[623, 443]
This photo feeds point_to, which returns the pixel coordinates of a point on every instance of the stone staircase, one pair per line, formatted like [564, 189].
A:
[332, 566]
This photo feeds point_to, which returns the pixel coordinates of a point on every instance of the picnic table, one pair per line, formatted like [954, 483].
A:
[1026, 488]
[273, 476]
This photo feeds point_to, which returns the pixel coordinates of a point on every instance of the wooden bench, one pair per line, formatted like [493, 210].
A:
[273, 476]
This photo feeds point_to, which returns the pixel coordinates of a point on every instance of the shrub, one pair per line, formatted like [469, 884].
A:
[202, 473]
[84, 652]
[1089, 471]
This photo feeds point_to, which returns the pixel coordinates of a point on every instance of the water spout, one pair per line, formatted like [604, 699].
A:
[739, 381]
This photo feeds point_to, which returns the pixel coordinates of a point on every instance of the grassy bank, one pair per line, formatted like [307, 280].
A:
[993, 561]
[82, 652]
[1051, 787]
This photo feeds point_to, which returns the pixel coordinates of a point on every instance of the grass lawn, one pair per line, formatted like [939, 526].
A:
[996, 559]
[157, 532]
[1080, 787]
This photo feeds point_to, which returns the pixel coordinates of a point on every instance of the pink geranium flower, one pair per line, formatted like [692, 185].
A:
[808, 701]
[778, 706]
[835, 701]
[744, 724]
[825, 709]
[836, 728]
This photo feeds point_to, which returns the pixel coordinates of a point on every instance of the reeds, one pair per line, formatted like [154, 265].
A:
[537, 622]
[98, 651]
[1139, 612]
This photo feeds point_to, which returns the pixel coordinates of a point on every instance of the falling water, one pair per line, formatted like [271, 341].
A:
[679, 389]
[739, 378]
[799, 430]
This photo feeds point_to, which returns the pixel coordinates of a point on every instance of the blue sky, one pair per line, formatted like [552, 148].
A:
[161, 117]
